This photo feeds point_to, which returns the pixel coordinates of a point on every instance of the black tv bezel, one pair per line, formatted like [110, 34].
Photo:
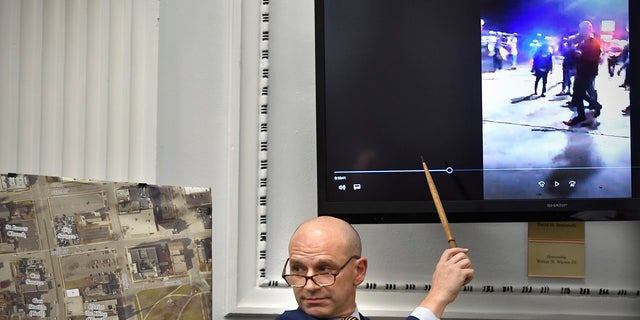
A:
[463, 211]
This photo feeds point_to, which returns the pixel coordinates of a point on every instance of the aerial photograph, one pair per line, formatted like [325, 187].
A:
[94, 250]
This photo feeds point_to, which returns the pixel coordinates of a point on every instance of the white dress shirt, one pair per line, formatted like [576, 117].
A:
[423, 313]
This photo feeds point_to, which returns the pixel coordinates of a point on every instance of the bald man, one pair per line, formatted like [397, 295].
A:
[325, 266]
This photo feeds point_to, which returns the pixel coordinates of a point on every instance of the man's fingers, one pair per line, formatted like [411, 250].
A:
[459, 259]
[452, 252]
[468, 277]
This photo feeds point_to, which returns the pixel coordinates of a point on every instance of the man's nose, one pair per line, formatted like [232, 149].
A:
[310, 284]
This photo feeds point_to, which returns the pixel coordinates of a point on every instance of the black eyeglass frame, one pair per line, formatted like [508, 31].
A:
[311, 277]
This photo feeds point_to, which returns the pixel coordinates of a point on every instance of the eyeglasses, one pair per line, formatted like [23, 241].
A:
[323, 279]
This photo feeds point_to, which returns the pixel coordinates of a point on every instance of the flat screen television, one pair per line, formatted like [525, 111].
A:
[452, 82]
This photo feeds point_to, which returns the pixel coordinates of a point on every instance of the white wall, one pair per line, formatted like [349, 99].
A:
[199, 114]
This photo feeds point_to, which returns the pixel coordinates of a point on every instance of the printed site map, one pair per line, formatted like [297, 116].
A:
[95, 250]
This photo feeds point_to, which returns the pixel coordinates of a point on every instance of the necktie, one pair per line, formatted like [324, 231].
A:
[350, 318]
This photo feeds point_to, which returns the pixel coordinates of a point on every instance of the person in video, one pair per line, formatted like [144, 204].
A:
[542, 65]
[624, 56]
[588, 59]
[512, 42]
[497, 57]
[568, 67]
[325, 266]
[626, 111]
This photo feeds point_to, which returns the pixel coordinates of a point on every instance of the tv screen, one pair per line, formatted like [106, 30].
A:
[489, 93]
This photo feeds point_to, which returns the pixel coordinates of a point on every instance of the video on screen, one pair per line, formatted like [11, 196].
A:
[556, 99]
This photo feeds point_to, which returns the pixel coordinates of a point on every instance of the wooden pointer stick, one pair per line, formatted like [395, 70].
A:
[439, 207]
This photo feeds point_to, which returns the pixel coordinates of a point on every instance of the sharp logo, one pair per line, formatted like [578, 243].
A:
[557, 205]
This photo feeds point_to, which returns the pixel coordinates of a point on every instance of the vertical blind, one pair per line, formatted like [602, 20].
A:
[78, 88]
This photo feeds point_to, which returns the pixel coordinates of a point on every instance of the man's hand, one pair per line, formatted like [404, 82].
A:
[453, 271]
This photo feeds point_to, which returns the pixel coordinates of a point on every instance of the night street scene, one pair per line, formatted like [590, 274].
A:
[552, 128]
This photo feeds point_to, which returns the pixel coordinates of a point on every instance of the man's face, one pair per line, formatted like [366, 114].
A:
[313, 253]
[324, 302]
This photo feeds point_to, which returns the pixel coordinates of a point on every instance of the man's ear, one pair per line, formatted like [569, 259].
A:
[360, 271]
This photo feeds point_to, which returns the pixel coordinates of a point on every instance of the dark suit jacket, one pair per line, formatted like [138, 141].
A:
[298, 314]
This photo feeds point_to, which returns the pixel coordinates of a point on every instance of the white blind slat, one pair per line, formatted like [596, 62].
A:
[97, 89]
[9, 79]
[75, 74]
[119, 89]
[53, 50]
[30, 85]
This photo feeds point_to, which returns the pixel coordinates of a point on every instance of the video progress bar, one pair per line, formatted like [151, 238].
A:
[446, 170]
[450, 170]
